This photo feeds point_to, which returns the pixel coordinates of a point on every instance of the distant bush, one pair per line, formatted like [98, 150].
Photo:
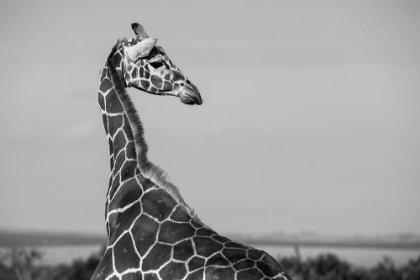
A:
[19, 264]
[329, 267]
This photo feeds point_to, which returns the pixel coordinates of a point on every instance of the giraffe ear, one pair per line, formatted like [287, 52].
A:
[141, 49]
[139, 30]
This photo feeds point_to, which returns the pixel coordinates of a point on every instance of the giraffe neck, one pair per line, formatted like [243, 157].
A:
[132, 173]
[123, 156]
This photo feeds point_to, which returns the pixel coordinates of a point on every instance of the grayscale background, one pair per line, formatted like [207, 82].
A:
[310, 121]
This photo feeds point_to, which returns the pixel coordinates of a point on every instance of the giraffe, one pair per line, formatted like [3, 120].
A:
[152, 233]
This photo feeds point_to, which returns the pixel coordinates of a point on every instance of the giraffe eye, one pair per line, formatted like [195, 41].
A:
[156, 64]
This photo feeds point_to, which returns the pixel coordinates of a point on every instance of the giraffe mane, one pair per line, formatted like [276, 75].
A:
[156, 174]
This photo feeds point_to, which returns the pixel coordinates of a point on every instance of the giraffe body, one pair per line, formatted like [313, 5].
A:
[152, 233]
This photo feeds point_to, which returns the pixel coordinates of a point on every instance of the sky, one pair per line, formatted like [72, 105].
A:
[310, 119]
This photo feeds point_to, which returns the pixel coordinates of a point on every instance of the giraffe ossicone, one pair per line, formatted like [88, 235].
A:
[152, 233]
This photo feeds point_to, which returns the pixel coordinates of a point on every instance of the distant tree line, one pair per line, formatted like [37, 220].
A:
[21, 264]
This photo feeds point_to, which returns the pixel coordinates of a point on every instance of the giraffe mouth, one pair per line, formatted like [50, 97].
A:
[190, 95]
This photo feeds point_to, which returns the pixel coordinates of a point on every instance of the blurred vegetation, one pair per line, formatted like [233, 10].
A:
[21, 264]
[329, 267]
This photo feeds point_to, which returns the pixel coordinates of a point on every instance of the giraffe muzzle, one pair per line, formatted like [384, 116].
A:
[190, 95]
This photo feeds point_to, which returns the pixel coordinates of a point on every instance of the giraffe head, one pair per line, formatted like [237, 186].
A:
[147, 67]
